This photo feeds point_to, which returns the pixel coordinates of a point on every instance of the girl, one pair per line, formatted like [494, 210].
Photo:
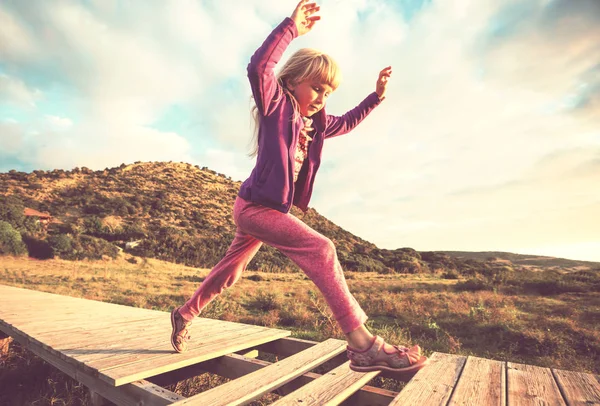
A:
[292, 126]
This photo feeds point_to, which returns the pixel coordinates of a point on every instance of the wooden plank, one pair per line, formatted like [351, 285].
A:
[103, 332]
[433, 384]
[531, 385]
[128, 356]
[59, 339]
[145, 367]
[51, 326]
[161, 344]
[578, 389]
[482, 382]
[134, 394]
[233, 366]
[244, 390]
[330, 389]
[51, 323]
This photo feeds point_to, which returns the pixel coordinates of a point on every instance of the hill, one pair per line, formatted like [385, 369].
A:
[526, 261]
[180, 213]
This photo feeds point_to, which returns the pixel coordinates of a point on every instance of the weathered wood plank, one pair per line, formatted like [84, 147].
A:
[531, 385]
[233, 366]
[244, 390]
[98, 335]
[578, 389]
[156, 342]
[433, 384]
[134, 394]
[482, 382]
[145, 367]
[81, 332]
[161, 345]
[330, 389]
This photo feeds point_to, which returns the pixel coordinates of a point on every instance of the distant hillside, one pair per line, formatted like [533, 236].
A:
[180, 213]
[534, 261]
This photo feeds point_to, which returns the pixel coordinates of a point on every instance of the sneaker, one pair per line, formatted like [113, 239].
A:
[402, 362]
[180, 334]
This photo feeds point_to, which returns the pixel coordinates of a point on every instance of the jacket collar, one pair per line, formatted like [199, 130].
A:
[320, 120]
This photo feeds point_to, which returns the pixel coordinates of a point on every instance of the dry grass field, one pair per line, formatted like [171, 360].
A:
[559, 330]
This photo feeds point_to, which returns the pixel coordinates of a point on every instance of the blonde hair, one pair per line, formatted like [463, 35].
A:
[304, 64]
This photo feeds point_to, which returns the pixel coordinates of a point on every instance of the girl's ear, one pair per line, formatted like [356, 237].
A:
[290, 85]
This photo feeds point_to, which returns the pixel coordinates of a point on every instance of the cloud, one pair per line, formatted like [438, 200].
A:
[15, 91]
[11, 137]
[59, 122]
[488, 137]
[15, 39]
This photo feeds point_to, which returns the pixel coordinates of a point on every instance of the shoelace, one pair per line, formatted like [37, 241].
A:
[401, 349]
[184, 334]
[405, 351]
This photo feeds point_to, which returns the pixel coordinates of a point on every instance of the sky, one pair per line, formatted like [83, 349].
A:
[488, 139]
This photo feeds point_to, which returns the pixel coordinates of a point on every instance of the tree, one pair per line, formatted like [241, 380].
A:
[12, 211]
[11, 242]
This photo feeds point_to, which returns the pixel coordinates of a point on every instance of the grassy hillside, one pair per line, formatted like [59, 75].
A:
[180, 213]
[529, 261]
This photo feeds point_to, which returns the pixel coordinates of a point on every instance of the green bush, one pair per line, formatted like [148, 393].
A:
[266, 301]
[92, 248]
[450, 274]
[11, 242]
[552, 287]
[404, 266]
[80, 247]
[473, 285]
[62, 245]
[92, 225]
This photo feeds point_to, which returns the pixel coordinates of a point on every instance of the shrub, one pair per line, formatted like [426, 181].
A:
[62, 245]
[552, 287]
[411, 267]
[361, 263]
[255, 278]
[94, 248]
[92, 225]
[266, 301]
[473, 284]
[450, 274]
[11, 242]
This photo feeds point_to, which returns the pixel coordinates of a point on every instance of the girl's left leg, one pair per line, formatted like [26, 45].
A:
[316, 255]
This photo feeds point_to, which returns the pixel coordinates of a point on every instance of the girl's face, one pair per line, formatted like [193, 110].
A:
[311, 96]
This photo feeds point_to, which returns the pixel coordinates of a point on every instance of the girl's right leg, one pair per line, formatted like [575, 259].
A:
[223, 275]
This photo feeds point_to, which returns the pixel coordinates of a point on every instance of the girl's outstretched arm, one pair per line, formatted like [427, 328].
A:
[261, 69]
[338, 125]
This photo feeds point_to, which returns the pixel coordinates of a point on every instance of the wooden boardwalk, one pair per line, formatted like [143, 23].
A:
[124, 354]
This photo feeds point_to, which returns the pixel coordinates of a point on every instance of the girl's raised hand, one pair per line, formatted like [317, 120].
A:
[303, 16]
[382, 81]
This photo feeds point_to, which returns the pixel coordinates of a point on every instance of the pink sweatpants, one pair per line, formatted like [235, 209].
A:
[314, 253]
